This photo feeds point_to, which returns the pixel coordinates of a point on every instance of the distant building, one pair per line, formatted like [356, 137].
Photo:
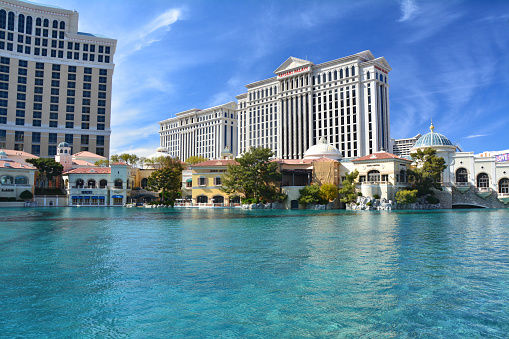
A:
[199, 132]
[55, 82]
[402, 147]
[345, 101]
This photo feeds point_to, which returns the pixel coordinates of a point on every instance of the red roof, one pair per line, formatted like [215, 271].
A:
[211, 163]
[90, 170]
[10, 152]
[14, 164]
[380, 156]
[87, 154]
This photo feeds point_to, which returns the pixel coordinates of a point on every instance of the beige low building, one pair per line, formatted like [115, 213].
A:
[15, 178]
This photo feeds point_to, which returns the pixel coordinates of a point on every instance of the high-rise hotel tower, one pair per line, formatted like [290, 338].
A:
[344, 100]
[55, 82]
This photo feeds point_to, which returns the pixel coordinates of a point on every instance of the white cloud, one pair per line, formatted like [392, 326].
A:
[408, 10]
[477, 136]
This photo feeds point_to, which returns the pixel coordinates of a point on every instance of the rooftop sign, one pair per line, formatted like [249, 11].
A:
[295, 71]
[502, 157]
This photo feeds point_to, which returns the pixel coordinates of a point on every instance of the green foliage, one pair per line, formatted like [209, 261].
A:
[428, 173]
[167, 180]
[406, 197]
[102, 163]
[254, 177]
[359, 194]
[26, 195]
[432, 200]
[348, 189]
[311, 195]
[369, 203]
[48, 169]
[130, 159]
[376, 196]
[329, 192]
[195, 160]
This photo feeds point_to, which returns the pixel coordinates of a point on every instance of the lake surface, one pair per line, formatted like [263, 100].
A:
[169, 273]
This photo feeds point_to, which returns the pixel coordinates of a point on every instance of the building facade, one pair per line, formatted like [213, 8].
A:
[197, 132]
[55, 82]
[402, 147]
[345, 101]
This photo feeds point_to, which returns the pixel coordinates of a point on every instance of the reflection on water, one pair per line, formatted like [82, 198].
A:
[230, 273]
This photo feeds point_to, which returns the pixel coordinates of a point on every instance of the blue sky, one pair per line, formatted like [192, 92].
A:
[449, 59]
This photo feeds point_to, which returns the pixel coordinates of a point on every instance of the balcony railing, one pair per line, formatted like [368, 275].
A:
[462, 184]
[374, 182]
[90, 187]
[483, 189]
[503, 195]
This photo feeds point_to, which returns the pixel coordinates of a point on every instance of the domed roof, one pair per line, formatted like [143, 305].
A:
[322, 149]
[432, 139]
[63, 144]
[2, 153]
[160, 152]
[226, 151]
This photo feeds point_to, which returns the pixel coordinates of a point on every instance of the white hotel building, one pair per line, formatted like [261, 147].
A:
[344, 100]
[197, 132]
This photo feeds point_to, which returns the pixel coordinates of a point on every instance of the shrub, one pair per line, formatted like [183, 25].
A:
[376, 196]
[26, 195]
[359, 194]
[369, 203]
[406, 197]
[432, 200]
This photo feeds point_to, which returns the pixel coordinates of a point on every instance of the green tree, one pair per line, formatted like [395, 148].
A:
[195, 159]
[167, 179]
[115, 158]
[48, 169]
[348, 189]
[26, 195]
[406, 197]
[329, 192]
[311, 195]
[102, 163]
[255, 176]
[428, 171]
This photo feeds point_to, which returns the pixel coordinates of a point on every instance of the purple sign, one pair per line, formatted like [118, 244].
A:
[502, 157]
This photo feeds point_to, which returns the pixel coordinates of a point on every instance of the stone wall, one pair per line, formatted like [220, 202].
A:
[471, 198]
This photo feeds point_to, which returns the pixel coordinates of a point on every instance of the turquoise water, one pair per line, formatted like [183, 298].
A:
[154, 273]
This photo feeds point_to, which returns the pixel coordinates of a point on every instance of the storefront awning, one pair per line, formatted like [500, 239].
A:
[102, 198]
[95, 197]
[117, 196]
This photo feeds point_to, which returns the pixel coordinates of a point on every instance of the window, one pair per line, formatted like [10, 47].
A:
[36, 149]
[85, 125]
[53, 124]
[36, 137]
[217, 181]
[84, 139]
[100, 127]
[53, 115]
[69, 138]
[462, 175]
[19, 136]
[503, 186]
[69, 124]
[374, 176]
[100, 140]
[52, 138]
[87, 70]
[118, 183]
[20, 122]
[483, 180]
[69, 117]
[201, 181]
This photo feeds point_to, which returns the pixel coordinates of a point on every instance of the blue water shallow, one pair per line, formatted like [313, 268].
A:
[154, 273]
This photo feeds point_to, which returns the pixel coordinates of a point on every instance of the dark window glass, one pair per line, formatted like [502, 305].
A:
[21, 23]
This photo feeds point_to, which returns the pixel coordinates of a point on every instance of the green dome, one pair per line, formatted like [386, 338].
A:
[432, 139]
[63, 144]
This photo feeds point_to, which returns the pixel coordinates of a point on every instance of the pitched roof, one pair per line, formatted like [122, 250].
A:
[211, 163]
[14, 164]
[90, 170]
[82, 163]
[380, 156]
[87, 154]
[11, 152]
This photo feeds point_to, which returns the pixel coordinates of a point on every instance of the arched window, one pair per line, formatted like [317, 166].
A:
[202, 199]
[80, 183]
[270, 91]
[91, 183]
[234, 200]
[341, 73]
[218, 199]
[3, 18]
[21, 180]
[503, 186]
[367, 75]
[275, 90]
[346, 72]
[189, 183]
[483, 180]
[10, 21]
[144, 183]
[62, 24]
[38, 22]
[324, 77]
[353, 70]
[55, 24]
[29, 25]
[335, 75]
[461, 175]
[118, 183]
[103, 183]
[21, 23]
[6, 180]
[46, 23]
[329, 76]
[374, 175]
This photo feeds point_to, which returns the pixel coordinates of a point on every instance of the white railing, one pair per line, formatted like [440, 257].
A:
[483, 189]
[460, 184]
[503, 195]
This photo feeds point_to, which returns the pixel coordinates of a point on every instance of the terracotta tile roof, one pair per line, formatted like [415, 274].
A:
[211, 163]
[90, 170]
[87, 154]
[82, 163]
[119, 164]
[380, 156]
[14, 164]
[11, 152]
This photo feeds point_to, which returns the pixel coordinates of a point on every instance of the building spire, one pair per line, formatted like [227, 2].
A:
[432, 128]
